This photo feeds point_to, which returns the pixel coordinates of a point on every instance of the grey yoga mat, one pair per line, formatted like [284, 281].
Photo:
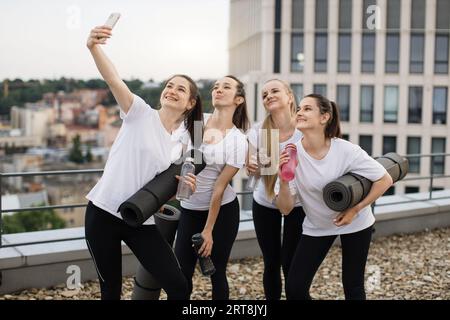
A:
[147, 201]
[348, 190]
[146, 287]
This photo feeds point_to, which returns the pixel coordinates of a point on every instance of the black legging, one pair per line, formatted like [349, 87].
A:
[275, 254]
[104, 233]
[224, 233]
[312, 250]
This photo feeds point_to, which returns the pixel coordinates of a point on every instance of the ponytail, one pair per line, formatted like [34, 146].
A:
[333, 128]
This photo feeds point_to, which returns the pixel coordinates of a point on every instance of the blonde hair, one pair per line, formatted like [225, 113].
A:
[274, 155]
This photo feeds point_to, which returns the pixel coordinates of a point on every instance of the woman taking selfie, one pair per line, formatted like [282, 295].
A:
[148, 142]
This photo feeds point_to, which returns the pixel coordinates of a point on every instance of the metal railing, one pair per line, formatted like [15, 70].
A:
[431, 179]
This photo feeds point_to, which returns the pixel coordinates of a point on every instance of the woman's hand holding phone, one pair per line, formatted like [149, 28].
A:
[100, 34]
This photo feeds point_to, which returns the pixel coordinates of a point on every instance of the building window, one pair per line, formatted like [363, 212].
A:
[390, 104]
[366, 112]
[297, 89]
[415, 105]
[366, 15]
[413, 147]
[368, 38]
[441, 53]
[365, 142]
[321, 21]
[345, 15]
[345, 36]
[393, 15]
[343, 102]
[438, 162]
[297, 52]
[389, 144]
[368, 53]
[320, 52]
[344, 52]
[410, 189]
[321, 37]
[442, 15]
[298, 14]
[439, 105]
[392, 52]
[277, 38]
[418, 14]
[345, 137]
[320, 89]
[416, 53]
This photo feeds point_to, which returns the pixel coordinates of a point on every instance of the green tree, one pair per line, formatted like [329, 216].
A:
[75, 154]
[88, 157]
[5, 105]
[96, 84]
[26, 221]
[134, 85]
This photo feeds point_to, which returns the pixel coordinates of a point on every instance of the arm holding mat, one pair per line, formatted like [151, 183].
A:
[147, 201]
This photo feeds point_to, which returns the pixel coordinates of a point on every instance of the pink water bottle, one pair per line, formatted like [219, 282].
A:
[288, 169]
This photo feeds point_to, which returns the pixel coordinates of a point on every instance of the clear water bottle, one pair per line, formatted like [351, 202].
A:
[252, 182]
[288, 169]
[253, 179]
[206, 264]
[184, 191]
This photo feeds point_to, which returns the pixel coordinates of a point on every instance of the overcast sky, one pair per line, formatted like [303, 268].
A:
[153, 39]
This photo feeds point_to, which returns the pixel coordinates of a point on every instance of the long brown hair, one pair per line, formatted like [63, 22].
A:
[268, 125]
[196, 112]
[333, 127]
[240, 116]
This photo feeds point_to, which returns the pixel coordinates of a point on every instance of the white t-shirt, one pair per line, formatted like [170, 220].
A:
[143, 148]
[259, 194]
[312, 175]
[231, 150]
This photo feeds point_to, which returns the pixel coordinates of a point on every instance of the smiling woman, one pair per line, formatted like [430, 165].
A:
[323, 157]
[147, 143]
[213, 210]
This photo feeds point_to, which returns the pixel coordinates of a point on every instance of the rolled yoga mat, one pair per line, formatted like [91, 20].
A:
[150, 198]
[348, 190]
[146, 287]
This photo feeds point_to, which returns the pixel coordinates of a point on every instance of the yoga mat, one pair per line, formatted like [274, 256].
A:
[146, 287]
[147, 201]
[348, 190]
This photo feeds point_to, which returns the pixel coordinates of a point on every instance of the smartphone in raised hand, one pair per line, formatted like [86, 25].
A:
[112, 20]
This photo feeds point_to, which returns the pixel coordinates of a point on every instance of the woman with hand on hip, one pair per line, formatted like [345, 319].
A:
[323, 157]
[213, 210]
[148, 142]
[278, 125]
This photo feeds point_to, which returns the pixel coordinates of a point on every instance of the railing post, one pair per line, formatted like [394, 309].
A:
[430, 196]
